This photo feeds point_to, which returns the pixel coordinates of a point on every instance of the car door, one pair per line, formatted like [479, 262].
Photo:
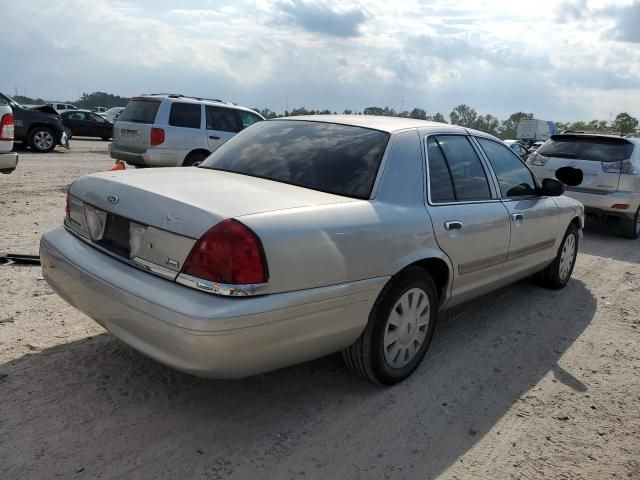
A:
[222, 124]
[470, 222]
[533, 218]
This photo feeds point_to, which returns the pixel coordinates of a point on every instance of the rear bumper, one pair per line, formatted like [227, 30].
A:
[595, 203]
[8, 162]
[200, 333]
[152, 157]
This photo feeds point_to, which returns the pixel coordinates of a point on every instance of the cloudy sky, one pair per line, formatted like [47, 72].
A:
[562, 60]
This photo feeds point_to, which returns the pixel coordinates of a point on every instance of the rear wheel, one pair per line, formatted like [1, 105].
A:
[194, 159]
[400, 328]
[630, 228]
[42, 140]
[557, 274]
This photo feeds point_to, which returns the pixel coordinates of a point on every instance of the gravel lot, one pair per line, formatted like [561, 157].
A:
[525, 383]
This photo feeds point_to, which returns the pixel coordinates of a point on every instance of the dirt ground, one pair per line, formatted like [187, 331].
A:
[525, 383]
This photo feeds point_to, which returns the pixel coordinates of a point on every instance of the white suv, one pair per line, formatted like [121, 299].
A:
[170, 130]
[609, 171]
[8, 159]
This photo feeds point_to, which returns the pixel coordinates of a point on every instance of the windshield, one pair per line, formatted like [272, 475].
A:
[598, 149]
[322, 156]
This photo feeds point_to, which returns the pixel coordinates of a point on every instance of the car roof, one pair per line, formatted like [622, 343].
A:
[386, 124]
[186, 99]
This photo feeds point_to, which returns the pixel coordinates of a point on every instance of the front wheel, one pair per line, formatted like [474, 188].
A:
[42, 140]
[557, 274]
[400, 328]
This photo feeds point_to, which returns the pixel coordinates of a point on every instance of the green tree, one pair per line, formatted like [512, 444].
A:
[437, 117]
[464, 115]
[625, 123]
[418, 113]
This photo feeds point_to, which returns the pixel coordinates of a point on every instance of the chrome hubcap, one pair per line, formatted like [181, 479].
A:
[406, 327]
[43, 140]
[566, 256]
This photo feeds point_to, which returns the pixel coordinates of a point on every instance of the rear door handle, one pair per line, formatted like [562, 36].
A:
[214, 137]
[453, 225]
[517, 217]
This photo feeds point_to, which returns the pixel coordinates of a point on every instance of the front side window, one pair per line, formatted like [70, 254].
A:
[514, 178]
[186, 115]
[221, 119]
[332, 158]
[464, 166]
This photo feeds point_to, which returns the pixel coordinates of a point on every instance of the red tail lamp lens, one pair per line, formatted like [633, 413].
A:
[157, 136]
[228, 253]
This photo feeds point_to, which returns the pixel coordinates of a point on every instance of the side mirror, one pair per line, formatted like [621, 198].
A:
[552, 187]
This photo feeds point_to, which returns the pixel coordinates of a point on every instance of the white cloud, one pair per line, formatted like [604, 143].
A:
[561, 61]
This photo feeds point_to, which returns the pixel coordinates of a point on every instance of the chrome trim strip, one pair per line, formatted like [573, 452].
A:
[154, 268]
[222, 288]
[477, 265]
[535, 248]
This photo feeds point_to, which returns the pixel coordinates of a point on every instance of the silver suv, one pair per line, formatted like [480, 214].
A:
[170, 130]
[609, 167]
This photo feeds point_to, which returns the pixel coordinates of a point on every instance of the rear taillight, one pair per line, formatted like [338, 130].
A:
[622, 166]
[229, 253]
[157, 136]
[6, 127]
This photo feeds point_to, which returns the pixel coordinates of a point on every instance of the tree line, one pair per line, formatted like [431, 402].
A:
[462, 115]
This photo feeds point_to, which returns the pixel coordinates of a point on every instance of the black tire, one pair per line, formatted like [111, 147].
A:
[630, 228]
[366, 356]
[554, 276]
[69, 133]
[194, 159]
[42, 140]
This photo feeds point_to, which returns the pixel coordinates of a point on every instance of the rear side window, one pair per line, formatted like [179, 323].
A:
[597, 149]
[185, 115]
[514, 178]
[140, 111]
[221, 119]
[440, 185]
[247, 119]
[332, 158]
[466, 172]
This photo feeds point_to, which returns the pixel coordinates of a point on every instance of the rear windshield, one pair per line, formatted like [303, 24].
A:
[140, 111]
[598, 149]
[331, 158]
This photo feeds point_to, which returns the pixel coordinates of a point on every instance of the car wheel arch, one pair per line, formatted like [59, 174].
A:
[196, 152]
[438, 266]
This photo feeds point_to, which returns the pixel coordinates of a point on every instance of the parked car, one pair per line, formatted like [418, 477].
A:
[38, 127]
[85, 123]
[610, 167]
[8, 159]
[305, 236]
[520, 149]
[61, 107]
[175, 130]
[112, 114]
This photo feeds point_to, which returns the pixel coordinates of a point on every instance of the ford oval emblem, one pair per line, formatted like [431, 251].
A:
[113, 198]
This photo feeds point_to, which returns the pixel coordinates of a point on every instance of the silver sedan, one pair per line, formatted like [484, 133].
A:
[305, 236]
